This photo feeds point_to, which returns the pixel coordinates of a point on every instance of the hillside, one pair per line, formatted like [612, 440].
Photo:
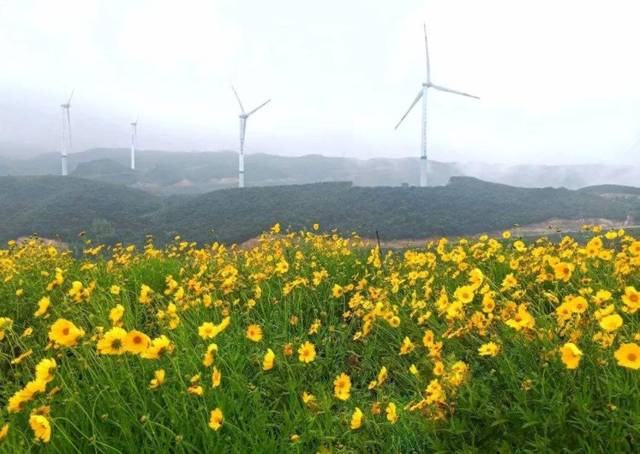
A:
[164, 172]
[464, 206]
[59, 208]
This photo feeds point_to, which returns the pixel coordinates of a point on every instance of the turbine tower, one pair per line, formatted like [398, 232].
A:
[243, 128]
[134, 143]
[423, 94]
[65, 146]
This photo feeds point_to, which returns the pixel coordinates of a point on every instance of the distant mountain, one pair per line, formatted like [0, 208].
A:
[163, 172]
[59, 208]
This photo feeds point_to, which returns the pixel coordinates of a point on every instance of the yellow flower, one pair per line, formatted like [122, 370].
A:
[356, 419]
[195, 390]
[145, 294]
[268, 360]
[4, 432]
[407, 346]
[570, 355]
[308, 399]
[158, 346]
[506, 234]
[611, 322]
[43, 305]
[342, 386]
[41, 427]
[254, 333]
[380, 379]
[209, 356]
[522, 319]
[64, 333]
[563, 271]
[113, 342]
[382, 375]
[392, 415]
[628, 355]
[509, 282]
[116, 314]
[489, 349]
[45, 370]
[520, 246]
[216, 419]
[206, 330]
[631, 299]
[158, 379]
[307, 352]
[209, 330]
[216, 377]
[282, 267]
[465, 294]
[136, 342]
[434, 392]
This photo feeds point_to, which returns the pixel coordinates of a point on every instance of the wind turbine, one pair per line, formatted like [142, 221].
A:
[65, 146]
[134, 143]
[423, 94]
[243, 128]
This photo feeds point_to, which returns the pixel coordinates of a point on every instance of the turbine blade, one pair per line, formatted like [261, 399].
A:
[238, 98]
[426, 49]
[259, 107]
[415, 101]
[455, 92]
[71, 96]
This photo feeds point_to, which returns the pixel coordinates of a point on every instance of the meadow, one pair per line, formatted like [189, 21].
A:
[315, 342]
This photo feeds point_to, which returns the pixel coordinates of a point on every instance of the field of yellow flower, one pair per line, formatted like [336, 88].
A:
[313, 342]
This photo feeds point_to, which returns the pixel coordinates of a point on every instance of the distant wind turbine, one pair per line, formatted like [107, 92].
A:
[65, 146]
[134, 143]
[243, 128]
[423, 94]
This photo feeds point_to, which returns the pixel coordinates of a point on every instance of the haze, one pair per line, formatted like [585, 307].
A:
[558, 80]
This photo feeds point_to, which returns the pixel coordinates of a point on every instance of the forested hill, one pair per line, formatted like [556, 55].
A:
[464, 206]
[59, 208]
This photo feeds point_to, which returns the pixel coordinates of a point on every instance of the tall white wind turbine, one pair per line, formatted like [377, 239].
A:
[243, 128]
[423, 94]
[134, 143]
[65, 145]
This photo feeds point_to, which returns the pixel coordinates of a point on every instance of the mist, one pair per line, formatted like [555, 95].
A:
[339, 75]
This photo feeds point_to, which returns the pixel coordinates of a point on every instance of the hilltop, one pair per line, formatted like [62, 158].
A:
[59, 208]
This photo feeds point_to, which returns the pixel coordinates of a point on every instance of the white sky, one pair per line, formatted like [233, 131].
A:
[559, 80]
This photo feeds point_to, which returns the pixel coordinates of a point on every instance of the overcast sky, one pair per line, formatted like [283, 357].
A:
[559, 80]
